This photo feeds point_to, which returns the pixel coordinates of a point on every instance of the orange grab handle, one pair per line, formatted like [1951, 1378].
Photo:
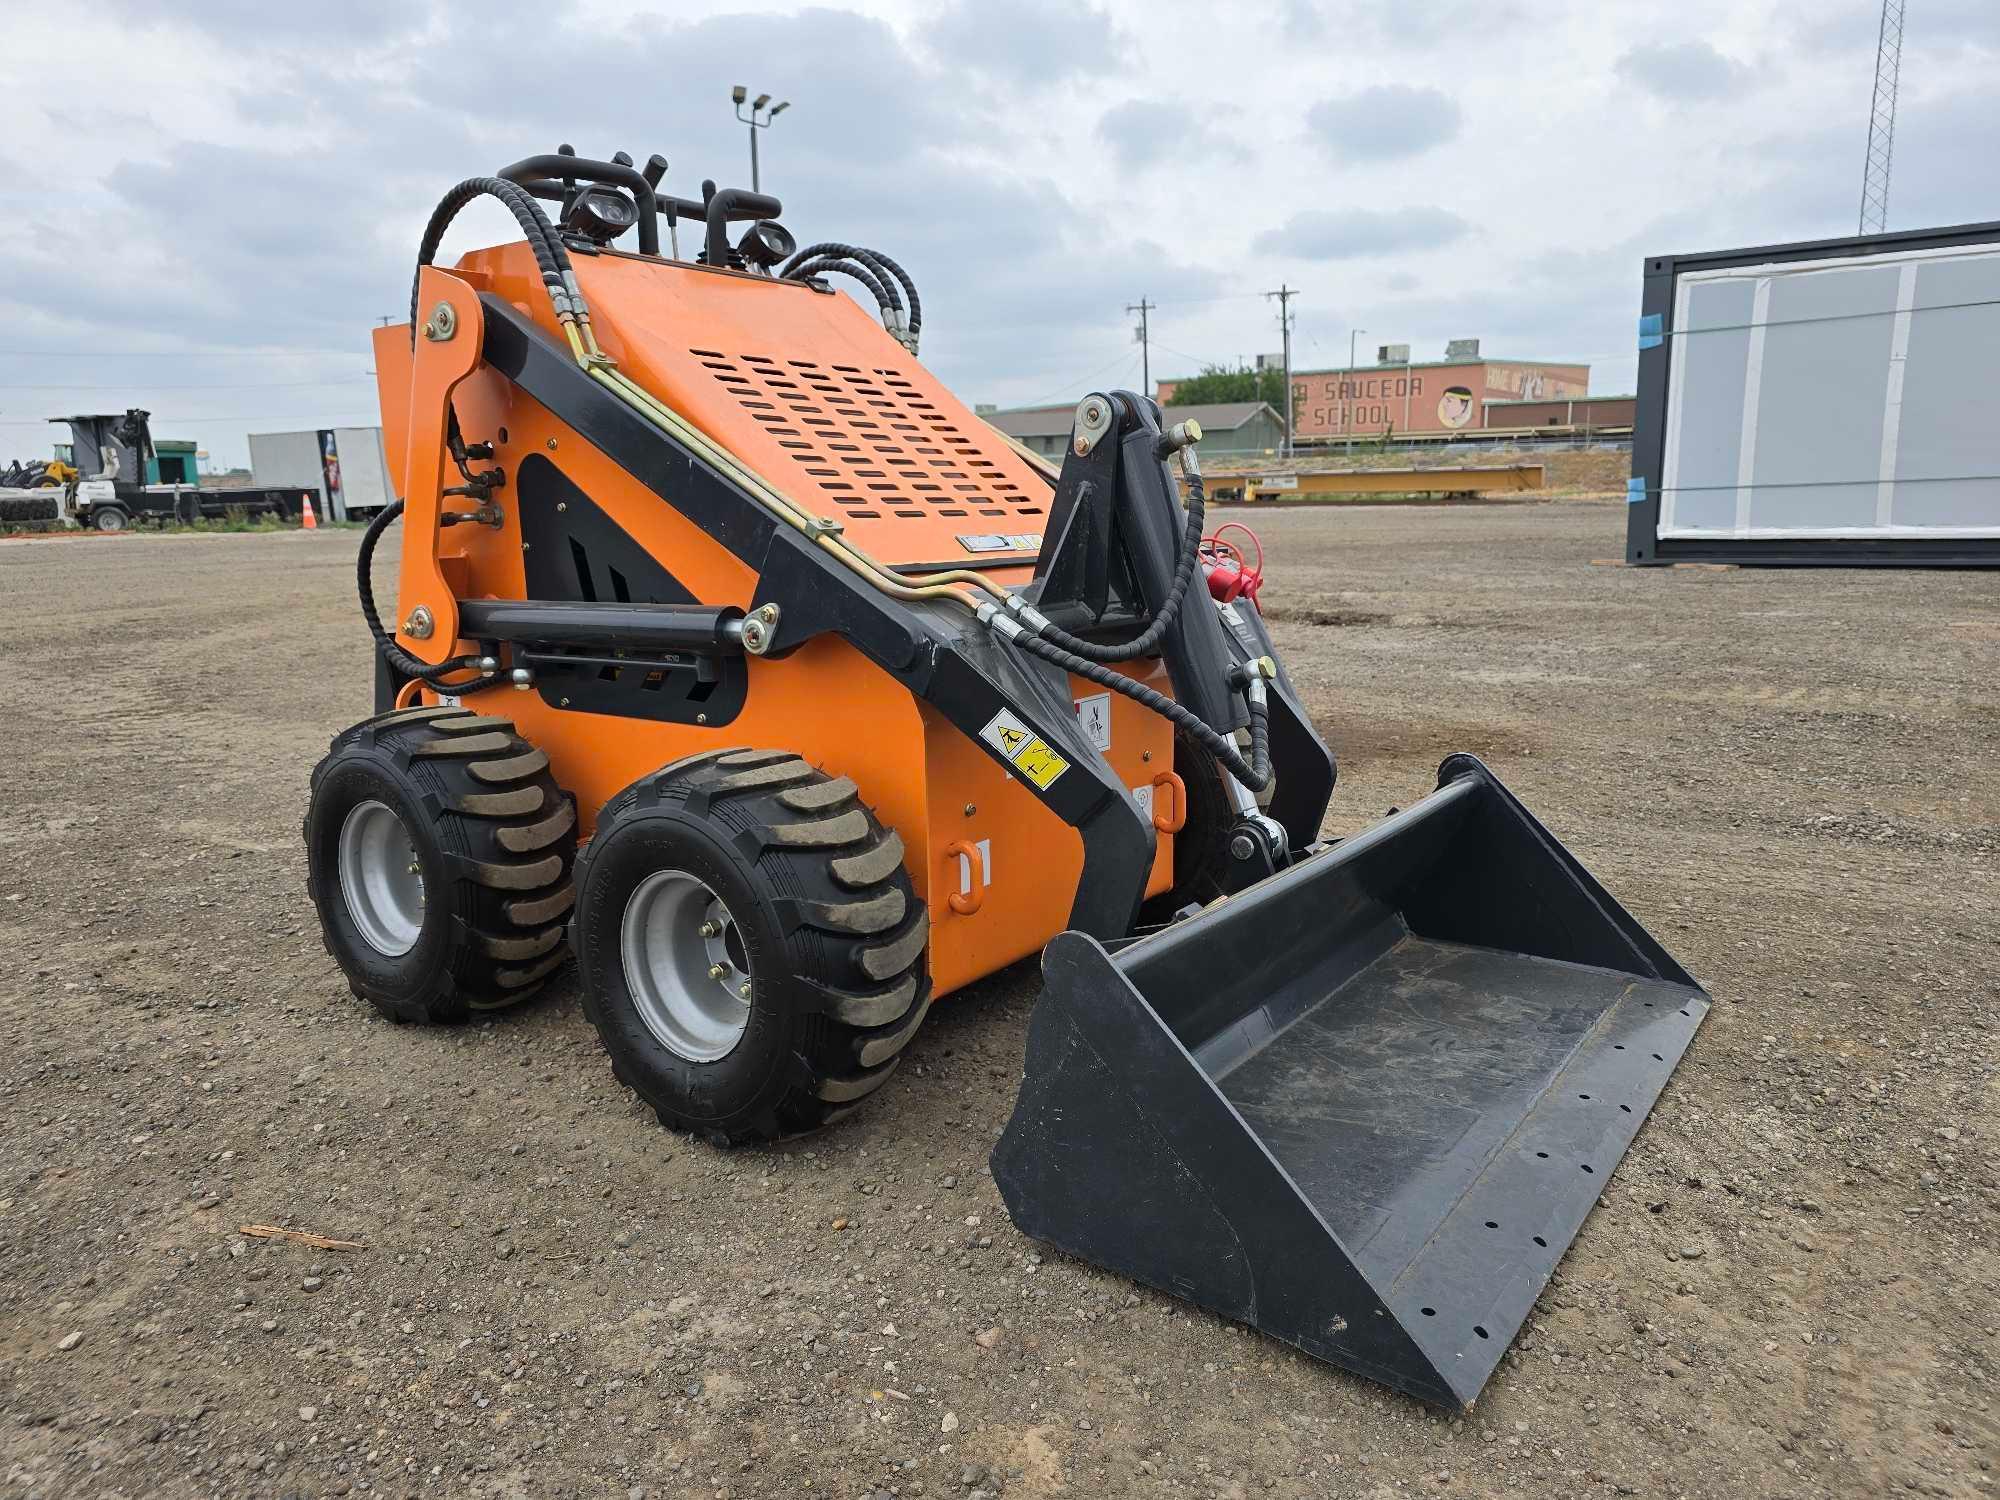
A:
[965, 903]
[1176, 820]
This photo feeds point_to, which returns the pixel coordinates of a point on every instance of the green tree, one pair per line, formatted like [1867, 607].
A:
[1216, 384]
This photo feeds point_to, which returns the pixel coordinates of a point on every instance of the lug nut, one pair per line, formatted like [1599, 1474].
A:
[718, 971]
[743, 989]
[711, 929]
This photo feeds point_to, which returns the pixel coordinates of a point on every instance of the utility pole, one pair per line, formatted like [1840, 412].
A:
[1142, 307]
[1284, 294]
[1882, 120]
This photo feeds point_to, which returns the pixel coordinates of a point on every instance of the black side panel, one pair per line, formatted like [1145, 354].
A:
[573, 551]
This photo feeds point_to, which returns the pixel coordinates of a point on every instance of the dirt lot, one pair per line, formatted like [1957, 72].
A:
[1788, 1290]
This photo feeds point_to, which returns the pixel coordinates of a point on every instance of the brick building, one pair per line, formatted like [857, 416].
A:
[1396, 395]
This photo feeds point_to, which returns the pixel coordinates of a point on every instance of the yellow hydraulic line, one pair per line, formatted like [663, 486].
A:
[600, 366]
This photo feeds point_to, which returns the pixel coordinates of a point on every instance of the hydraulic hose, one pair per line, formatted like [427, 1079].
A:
[854, 268]
[395, 655]
[909, 288]
[1255, 773]
[1144, 643]
[884, 276]
[550, 256]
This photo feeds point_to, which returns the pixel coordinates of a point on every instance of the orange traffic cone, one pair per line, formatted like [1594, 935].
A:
[307, 520]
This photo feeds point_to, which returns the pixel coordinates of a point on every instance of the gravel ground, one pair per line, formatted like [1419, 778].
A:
[1788, 1289]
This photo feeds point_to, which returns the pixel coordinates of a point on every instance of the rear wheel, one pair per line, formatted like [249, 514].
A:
[109, 518]
[439, 853]
[752, 951]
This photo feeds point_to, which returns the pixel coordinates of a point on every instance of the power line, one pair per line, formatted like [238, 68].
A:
[177, 353]
[240, 385]
[1196, 358]
[1125, 360]
[316, 419]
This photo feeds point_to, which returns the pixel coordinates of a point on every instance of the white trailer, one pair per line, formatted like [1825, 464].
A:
[344, 466]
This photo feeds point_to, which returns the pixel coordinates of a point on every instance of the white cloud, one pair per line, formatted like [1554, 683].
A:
[243, 179]
[1684, 70]
[1384, 123]
[1322, 234]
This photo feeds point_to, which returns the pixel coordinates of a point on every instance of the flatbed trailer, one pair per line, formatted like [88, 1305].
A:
[1331, 484]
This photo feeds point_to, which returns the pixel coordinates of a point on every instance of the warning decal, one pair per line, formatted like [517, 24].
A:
[1093, 716]
[1031, 757]
[1039, 764]
[1006, 734]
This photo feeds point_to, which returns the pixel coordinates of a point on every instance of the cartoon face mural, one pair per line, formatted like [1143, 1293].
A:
[1455, 406]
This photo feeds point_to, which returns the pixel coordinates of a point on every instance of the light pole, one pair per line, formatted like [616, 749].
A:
[1352, 335]
[759, 118]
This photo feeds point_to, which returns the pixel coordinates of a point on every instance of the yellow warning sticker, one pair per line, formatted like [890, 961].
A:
[1039, 764]
[1031, 757]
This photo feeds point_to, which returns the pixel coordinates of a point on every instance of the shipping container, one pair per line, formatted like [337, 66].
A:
[1823, 402]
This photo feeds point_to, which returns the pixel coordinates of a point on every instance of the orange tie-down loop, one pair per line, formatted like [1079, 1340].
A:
[965, 903]
[1174, 820]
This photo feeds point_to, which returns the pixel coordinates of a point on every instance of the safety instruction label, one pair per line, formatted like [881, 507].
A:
[993, 541]
[1033, 759]
[1143, 797]
[1239, 627]
[1093, 717]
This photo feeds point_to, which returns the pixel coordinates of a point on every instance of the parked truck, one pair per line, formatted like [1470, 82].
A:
[106, 490]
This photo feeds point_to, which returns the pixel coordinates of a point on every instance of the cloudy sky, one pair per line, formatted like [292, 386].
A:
[208, 204]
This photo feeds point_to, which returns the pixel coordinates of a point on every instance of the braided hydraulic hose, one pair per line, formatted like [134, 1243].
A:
[1255, 773]
[909, 287]
[1144, 643]
[832, 265]
[550, 256]
[883, 276]
[395, 655]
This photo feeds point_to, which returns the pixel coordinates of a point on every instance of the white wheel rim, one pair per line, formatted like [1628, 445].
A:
[380, 879]
[685, 966]
[110, 520]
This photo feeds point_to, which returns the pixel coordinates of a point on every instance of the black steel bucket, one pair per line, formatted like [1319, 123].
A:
[1365, 1105]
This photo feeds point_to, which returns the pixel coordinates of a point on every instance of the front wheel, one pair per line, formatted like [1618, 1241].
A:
[109, 518]
[751, 948]
[438, 854]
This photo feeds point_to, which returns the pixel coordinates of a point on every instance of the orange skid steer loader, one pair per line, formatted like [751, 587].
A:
[734, 655]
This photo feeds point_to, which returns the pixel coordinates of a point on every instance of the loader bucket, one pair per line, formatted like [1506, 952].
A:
[1364, 1105]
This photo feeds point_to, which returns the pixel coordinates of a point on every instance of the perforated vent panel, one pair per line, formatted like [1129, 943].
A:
[874, 447]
